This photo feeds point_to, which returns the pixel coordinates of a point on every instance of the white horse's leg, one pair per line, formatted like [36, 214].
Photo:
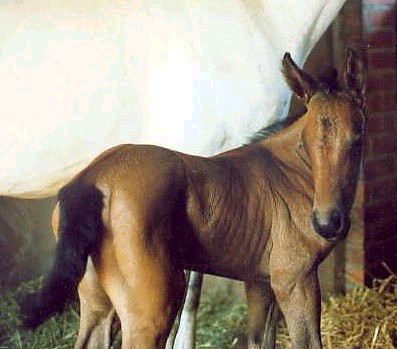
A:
[186, 334]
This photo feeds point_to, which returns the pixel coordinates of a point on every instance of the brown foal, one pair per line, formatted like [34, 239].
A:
[266, 213]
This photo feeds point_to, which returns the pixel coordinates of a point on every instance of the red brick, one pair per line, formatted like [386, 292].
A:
[376, 82]
[381, 101]
[380, 39]
[375, 212]
[381, 189]
[379, 125]
[382, 60]
[391, 121]
[381, 79]
[379, 168]
[378, 17]
[376, 228]
[382, 144]
[375, 123]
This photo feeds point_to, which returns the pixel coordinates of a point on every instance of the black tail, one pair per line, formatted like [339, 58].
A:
[80, 232]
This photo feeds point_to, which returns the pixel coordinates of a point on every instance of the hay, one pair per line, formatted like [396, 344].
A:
[365, 318]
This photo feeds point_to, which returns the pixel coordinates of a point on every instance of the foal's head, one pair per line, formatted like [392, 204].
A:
[332, 140]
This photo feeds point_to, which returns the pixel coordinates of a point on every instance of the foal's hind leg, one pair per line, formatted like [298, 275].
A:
[263, 315]
[96, 313]
[146, 304]
[144, 287]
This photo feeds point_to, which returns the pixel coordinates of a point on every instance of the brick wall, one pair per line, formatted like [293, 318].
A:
[380, 171]
[371, 25]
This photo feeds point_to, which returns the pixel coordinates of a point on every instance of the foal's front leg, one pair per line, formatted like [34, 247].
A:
[263, 315]
[301, 305]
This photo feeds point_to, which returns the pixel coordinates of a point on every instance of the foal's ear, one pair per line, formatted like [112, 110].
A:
[297, 79]
[355, 76]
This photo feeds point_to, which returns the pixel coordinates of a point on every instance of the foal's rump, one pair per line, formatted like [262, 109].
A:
[124, 196]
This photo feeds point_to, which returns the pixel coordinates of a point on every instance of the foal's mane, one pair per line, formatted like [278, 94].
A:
[327, 83]
[267, 131]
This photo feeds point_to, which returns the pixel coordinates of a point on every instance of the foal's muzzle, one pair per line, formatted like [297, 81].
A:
[332, 225]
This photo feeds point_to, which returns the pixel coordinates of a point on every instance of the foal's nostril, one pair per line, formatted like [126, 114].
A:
[336, 219]
[329, 225]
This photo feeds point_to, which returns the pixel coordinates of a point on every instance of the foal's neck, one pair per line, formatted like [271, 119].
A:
[286, 147]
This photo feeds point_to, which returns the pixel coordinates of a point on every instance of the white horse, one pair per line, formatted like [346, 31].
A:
[77, 77]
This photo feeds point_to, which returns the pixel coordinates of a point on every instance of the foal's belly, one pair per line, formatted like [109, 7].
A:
[229, 265]
[223, 272]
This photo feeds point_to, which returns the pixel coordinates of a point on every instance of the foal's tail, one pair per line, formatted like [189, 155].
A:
[80, 232]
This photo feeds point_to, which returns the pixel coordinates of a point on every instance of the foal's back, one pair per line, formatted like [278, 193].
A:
[211, 214]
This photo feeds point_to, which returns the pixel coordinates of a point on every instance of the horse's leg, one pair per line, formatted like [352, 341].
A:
[263, 315]
[144, 286]
[174, 331]
[301, 306]
[96, 313]
[186, 335]
[147, 311]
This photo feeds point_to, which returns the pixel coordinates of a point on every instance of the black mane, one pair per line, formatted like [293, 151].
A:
[272, 129]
